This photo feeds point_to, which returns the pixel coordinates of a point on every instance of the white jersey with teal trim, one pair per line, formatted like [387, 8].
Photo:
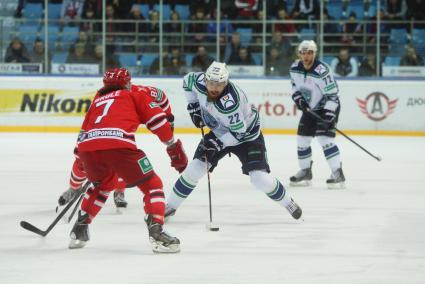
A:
[317, 85]
[232, 119]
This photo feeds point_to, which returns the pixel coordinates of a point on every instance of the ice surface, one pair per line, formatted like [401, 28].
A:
[371, 232]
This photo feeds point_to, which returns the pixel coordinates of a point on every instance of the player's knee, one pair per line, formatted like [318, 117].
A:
[261, 180]
[325, 141]
[304, 141]
[154, 182]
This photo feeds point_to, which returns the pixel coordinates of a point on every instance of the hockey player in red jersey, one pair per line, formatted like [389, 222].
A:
[78, 175]
[107, 148]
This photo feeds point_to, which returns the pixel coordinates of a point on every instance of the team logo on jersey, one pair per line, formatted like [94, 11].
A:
[227, 101]
[320, 69]
[153, 105]
[145, 165]
[377, 106]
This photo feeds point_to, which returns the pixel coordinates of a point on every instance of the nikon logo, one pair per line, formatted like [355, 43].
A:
[48, 103]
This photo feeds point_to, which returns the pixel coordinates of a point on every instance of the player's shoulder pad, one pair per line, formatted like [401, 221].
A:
[296, 66]
[320, 69]
[229, 101]
[192, 80]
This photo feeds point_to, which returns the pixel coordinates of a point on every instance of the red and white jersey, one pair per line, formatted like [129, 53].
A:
[113, 118]
[157, 94]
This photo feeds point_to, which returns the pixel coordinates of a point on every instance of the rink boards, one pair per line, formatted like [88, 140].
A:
[58, 104]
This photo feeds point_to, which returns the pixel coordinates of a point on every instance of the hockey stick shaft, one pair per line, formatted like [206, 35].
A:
[315, 115]
[208, 177]
[34, 229]
[77, 205]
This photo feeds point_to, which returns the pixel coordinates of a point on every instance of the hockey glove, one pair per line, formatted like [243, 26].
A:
[195, 114]
[300, 101]
[211, 146]
[328, 119]
[178, 156]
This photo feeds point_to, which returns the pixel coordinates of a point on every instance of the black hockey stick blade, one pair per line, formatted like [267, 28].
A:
[34, 229]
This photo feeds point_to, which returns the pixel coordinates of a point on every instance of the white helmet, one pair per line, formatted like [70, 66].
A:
[217, 72]
[307, 45]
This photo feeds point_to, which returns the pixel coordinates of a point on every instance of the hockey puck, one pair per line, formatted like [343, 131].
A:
[214, 229]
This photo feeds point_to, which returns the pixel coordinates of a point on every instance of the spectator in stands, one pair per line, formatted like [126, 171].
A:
[88, 24]
[276, 64]
[37, 54]
[201, 60]
[281, 43]
[352, 31]
[198, 30]
[244, 58]
[257, 31]
[395, 10]
[174, 29]
[16, 52]
[411, 58]
[80, 55]
[273, 7]
[83, 38]
[225, 26]
[154, 68]
[305, 10]
[330, 29]
[368, 65]
[111, 61]
[122, 8]
[344, 65]
[71, 11]
[153, 31]
[206, 6]
[111, 26]
[284, 26]
[177, 63]
[416, 12]
[95, 6]
[246, 10]
[232, 48]
[372, 27]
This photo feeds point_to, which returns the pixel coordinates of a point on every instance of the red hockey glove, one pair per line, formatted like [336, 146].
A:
[178, 156]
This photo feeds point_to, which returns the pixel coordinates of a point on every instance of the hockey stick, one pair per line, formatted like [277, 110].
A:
[34, 229]
[315, 115]
[77, 205]
[210, 226]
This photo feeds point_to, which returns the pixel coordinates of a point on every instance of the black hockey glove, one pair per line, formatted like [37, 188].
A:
[328, 119]
[211, 146]
[195, 114]
[300, 101]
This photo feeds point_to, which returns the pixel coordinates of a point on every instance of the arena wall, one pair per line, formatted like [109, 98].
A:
[370, 107]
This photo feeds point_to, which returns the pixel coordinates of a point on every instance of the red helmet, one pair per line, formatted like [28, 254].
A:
[116, 77]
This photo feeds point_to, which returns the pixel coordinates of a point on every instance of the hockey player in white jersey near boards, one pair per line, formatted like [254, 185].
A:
[315, 90]
[220, 105]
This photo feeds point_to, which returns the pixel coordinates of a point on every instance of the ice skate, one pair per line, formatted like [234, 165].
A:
[169, 212]
[120, 203]
[294, 209]
[80, 232]
[302, 178]
[337, 180]
[160, 240]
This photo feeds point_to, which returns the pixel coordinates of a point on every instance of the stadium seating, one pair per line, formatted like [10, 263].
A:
[183, 11]
[32, 11]
[357, 7]
[392, 61]
[128, 59]
[28, 34]
[147, 59]
[307, 34]
[59, 57]
[246, 35]
[54, 11]
[52, 35]
[166, 10]
[335, 9]
[258, 58]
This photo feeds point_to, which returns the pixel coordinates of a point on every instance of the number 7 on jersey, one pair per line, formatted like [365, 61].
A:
[107, 104]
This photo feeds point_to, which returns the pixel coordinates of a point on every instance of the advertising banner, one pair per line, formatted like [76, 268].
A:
[367, 107]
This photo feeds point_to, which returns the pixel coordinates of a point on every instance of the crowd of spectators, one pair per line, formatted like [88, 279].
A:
[129, 30]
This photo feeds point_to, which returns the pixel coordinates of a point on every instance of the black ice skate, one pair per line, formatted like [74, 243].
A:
[337, 180]
[160, 240]
[80, 232]
[294, 209]
[302, 178]
[119, 200]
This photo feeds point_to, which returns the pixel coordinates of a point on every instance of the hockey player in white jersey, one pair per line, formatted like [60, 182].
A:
[315, 90]
[220, 105]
